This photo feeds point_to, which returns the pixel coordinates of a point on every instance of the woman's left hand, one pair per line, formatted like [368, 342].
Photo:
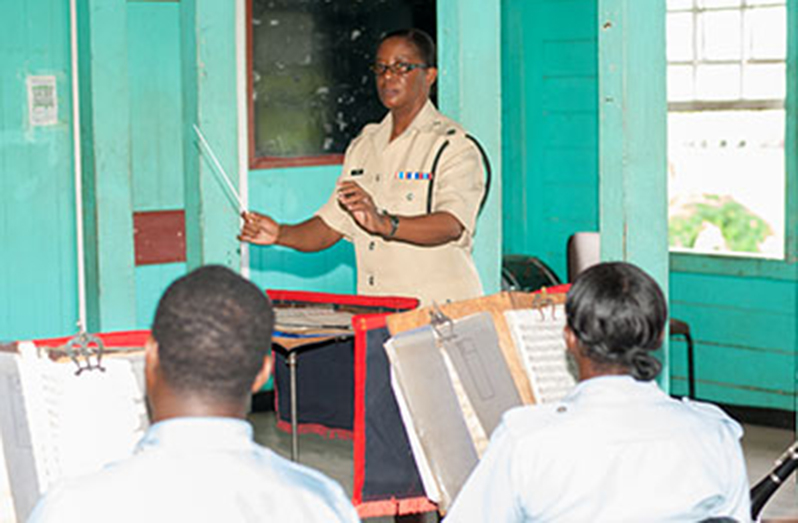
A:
[360, 205]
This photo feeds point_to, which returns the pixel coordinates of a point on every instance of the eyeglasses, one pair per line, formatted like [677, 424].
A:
[398, 68]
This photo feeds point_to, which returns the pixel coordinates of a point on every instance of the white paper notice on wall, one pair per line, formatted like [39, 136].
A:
[42, 100]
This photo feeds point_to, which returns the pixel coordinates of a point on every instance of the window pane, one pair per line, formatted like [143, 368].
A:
[726, 186]
[719, 3]
[767, 33]
[721, 35]
[679, 4]
[764, 82]
[312, 89]
[680, 83]
[718, 82]
[680, 37]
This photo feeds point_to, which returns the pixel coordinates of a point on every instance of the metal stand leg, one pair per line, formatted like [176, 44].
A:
[294, 422]
[690, 367]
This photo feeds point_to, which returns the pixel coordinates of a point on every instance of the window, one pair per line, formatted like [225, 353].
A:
[310, 83]
[726, 126]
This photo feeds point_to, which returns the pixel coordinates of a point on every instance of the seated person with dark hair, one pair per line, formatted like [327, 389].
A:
[209, 349]
[616, 448]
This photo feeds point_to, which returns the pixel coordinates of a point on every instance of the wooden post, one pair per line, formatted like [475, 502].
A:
[633, 190]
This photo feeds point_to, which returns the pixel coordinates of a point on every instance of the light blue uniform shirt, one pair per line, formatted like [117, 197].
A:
[614, 450]
[198, 470]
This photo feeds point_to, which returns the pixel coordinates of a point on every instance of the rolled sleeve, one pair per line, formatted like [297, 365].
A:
[335, 217]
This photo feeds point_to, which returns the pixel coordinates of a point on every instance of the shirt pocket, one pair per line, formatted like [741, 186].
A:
[408, 193]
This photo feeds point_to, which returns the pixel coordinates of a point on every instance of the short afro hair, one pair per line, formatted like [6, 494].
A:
[618, 313]
[213, 330]
[421, 40]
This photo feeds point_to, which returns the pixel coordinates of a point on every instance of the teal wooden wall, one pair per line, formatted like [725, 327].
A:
[38, 271]
[742, 312]
[292, 195]
[156, 140]
[549, 126]
[745, 338]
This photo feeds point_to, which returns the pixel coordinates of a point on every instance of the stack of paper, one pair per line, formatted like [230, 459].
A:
[57, 424]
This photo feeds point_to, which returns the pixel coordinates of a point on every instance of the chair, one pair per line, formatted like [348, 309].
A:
[526, 273]
[584, 250]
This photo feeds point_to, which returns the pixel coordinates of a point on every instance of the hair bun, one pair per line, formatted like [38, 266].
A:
[643, 366]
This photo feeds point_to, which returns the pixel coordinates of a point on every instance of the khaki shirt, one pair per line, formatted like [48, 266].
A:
[404, 178]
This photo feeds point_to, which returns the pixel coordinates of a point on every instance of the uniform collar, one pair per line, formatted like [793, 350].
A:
[423, 121]
[216, 433]
[609, 388]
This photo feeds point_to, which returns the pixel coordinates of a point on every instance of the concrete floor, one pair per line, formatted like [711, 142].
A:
[762, 445]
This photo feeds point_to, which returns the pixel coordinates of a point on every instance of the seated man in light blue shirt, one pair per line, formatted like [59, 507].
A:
[616, 449]
[210, 348]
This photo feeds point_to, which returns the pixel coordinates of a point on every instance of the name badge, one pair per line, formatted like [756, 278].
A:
[406, 175]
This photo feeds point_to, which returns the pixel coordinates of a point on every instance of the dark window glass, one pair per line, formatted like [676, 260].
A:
[312, 90]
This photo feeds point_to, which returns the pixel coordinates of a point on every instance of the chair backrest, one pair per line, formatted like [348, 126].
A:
[583, 251]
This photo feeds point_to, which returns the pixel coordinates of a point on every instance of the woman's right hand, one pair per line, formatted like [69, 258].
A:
[259, 229]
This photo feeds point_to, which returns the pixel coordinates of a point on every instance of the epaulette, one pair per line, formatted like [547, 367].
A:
[712, 411]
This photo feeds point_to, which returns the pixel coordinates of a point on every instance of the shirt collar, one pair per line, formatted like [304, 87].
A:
[423, 120]
[217, 433]
[621, 387]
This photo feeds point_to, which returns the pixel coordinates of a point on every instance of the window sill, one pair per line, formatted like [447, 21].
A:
[703, 263]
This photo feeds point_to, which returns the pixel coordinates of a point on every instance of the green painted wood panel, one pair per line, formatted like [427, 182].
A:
[38, 274]
[151, 282]
[469, 83]
[549, 126]
[156, 108]
[722, 393]
[105, 136]
[291, 196]
[633, 213]
[746, 336]
[210, 26]
[155, 105]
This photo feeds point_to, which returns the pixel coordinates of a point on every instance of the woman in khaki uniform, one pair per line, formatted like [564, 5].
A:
[409, 193]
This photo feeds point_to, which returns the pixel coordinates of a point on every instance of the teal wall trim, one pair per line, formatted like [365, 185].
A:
[189, 81]
[210, 72]
[469, 41]
[105, 123]
[38, 279]
[632, 138]
[549, 126]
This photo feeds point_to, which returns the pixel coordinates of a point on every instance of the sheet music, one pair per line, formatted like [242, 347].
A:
[538, 336]
[78, 424]
[293, 318]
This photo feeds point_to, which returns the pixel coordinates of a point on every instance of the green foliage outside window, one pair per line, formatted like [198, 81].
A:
[742, 230]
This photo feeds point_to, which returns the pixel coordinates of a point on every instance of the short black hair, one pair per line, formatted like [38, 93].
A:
[618, 313]
[422, 41]
[213, 330]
